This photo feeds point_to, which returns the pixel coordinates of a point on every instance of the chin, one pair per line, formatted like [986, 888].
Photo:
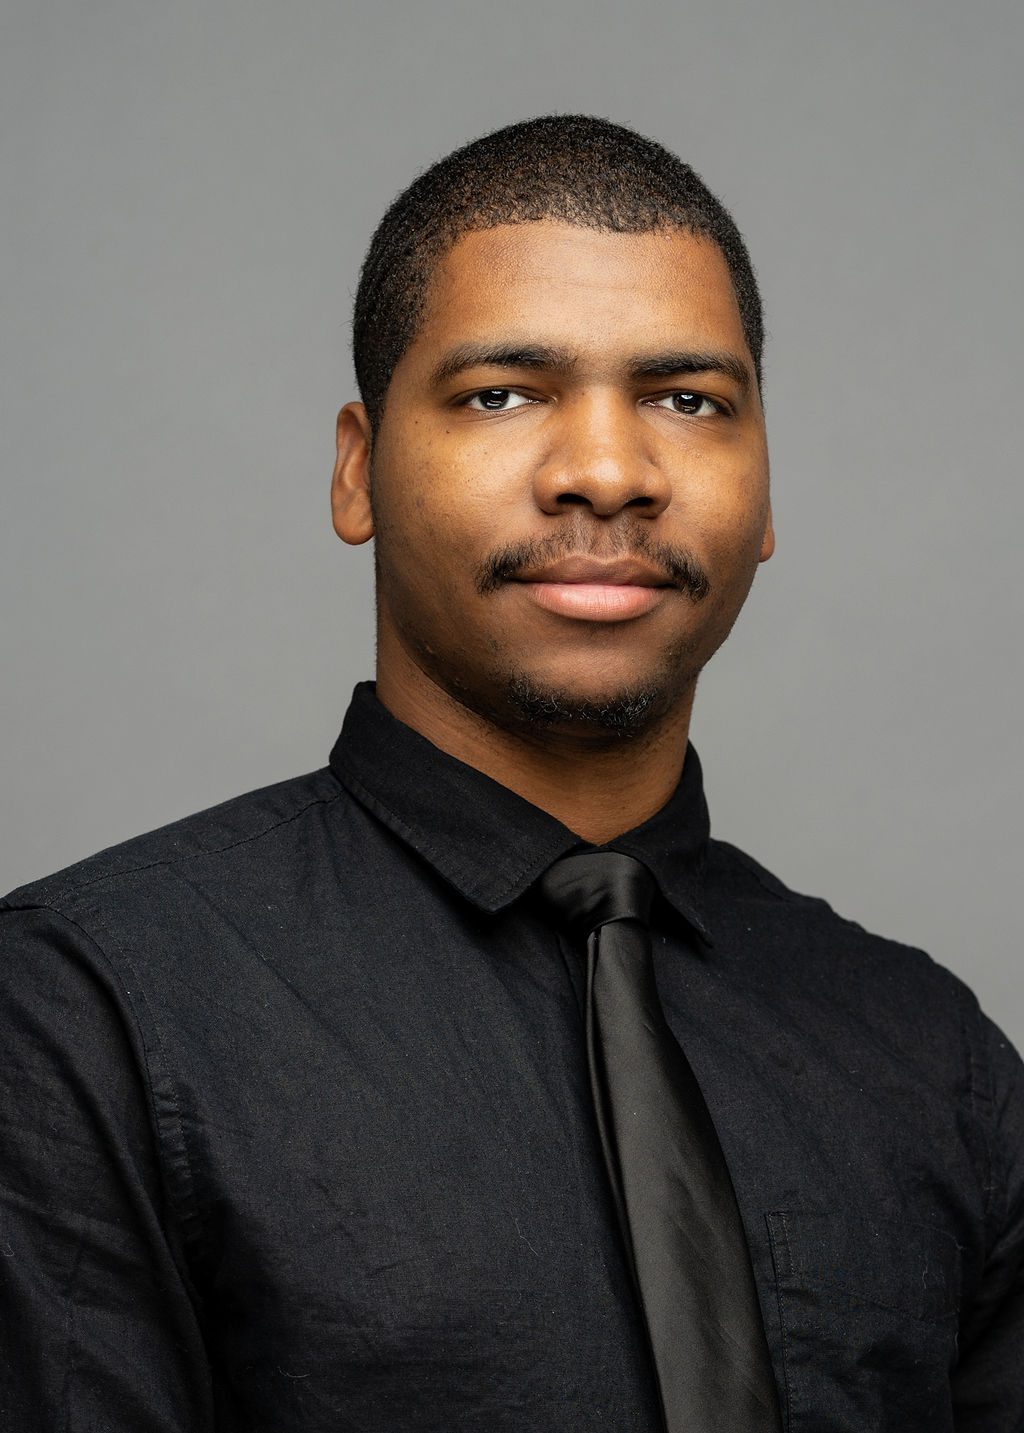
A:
[596, 706]
[623, 711]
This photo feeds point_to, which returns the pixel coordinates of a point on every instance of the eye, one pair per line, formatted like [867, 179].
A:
[496, 400]
[692, 405]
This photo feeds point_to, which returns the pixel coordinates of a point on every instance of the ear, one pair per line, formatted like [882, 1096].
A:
[768, 541]
[350, 486]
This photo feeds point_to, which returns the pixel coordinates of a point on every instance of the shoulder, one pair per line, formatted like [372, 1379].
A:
[869, 983]
[880, 1005]
[184, 915]
[740, 887]
[239, 833]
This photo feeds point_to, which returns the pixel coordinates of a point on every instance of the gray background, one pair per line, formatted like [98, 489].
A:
[187, 193]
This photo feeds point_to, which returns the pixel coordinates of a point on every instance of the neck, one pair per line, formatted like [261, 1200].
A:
[598, 787]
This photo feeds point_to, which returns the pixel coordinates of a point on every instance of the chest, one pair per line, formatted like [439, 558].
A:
[403, 1199]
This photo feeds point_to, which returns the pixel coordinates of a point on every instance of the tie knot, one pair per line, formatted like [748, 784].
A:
[596, 887]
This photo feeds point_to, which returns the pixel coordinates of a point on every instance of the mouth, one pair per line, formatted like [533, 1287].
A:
[593, 591]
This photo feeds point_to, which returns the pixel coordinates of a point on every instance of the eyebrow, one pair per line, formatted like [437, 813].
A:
[501, 355]
[716, 360]
[542, 357]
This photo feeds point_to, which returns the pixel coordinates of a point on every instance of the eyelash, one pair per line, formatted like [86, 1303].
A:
[691, 394]
[654, 400]
[482, 392]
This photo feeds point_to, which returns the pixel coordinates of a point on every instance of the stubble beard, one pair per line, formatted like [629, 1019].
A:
[632, 710]
[626, 713]
[536, 709]
[505, 694]
[513, 699]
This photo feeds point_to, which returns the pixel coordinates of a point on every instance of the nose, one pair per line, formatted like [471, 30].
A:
[601, 457]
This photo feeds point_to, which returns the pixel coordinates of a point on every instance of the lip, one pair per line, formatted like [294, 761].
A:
[595, 601]
[589, 590]
[620, 572]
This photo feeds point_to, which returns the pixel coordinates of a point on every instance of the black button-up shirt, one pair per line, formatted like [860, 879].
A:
[296, 1134]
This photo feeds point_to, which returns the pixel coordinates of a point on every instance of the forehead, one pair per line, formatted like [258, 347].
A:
[572, 286]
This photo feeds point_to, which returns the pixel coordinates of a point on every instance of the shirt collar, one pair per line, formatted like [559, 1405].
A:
[486, 841]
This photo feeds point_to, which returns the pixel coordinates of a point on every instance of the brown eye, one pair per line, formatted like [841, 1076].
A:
[691, 405]
[689, 402]
[496, 400]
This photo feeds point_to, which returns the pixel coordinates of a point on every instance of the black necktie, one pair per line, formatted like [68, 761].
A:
[671, 1187]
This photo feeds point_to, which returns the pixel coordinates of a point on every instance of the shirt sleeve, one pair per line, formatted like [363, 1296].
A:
[97, 1329]
[988, 1381]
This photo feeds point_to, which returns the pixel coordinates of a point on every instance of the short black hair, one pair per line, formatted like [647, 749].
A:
[569, 167]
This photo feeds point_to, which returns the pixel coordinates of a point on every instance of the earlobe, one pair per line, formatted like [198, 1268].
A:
[350, 486]
[768, 541]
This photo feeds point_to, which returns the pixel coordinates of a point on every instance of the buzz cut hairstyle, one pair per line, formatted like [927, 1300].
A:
[575, 169]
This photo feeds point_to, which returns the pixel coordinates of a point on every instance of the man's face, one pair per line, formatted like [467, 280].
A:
[569, 485]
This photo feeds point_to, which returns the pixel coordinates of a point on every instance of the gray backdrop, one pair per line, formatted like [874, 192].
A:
[187, 193]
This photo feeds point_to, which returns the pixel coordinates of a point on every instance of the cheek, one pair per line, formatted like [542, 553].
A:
[426, 552]
[729, 520]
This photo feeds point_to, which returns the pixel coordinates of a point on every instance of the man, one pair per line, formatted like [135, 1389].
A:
[358, 1103]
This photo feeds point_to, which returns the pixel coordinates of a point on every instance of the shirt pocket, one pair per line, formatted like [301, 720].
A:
[868, 1311]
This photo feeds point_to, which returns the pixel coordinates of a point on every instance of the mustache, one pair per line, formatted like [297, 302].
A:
[680, 566]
